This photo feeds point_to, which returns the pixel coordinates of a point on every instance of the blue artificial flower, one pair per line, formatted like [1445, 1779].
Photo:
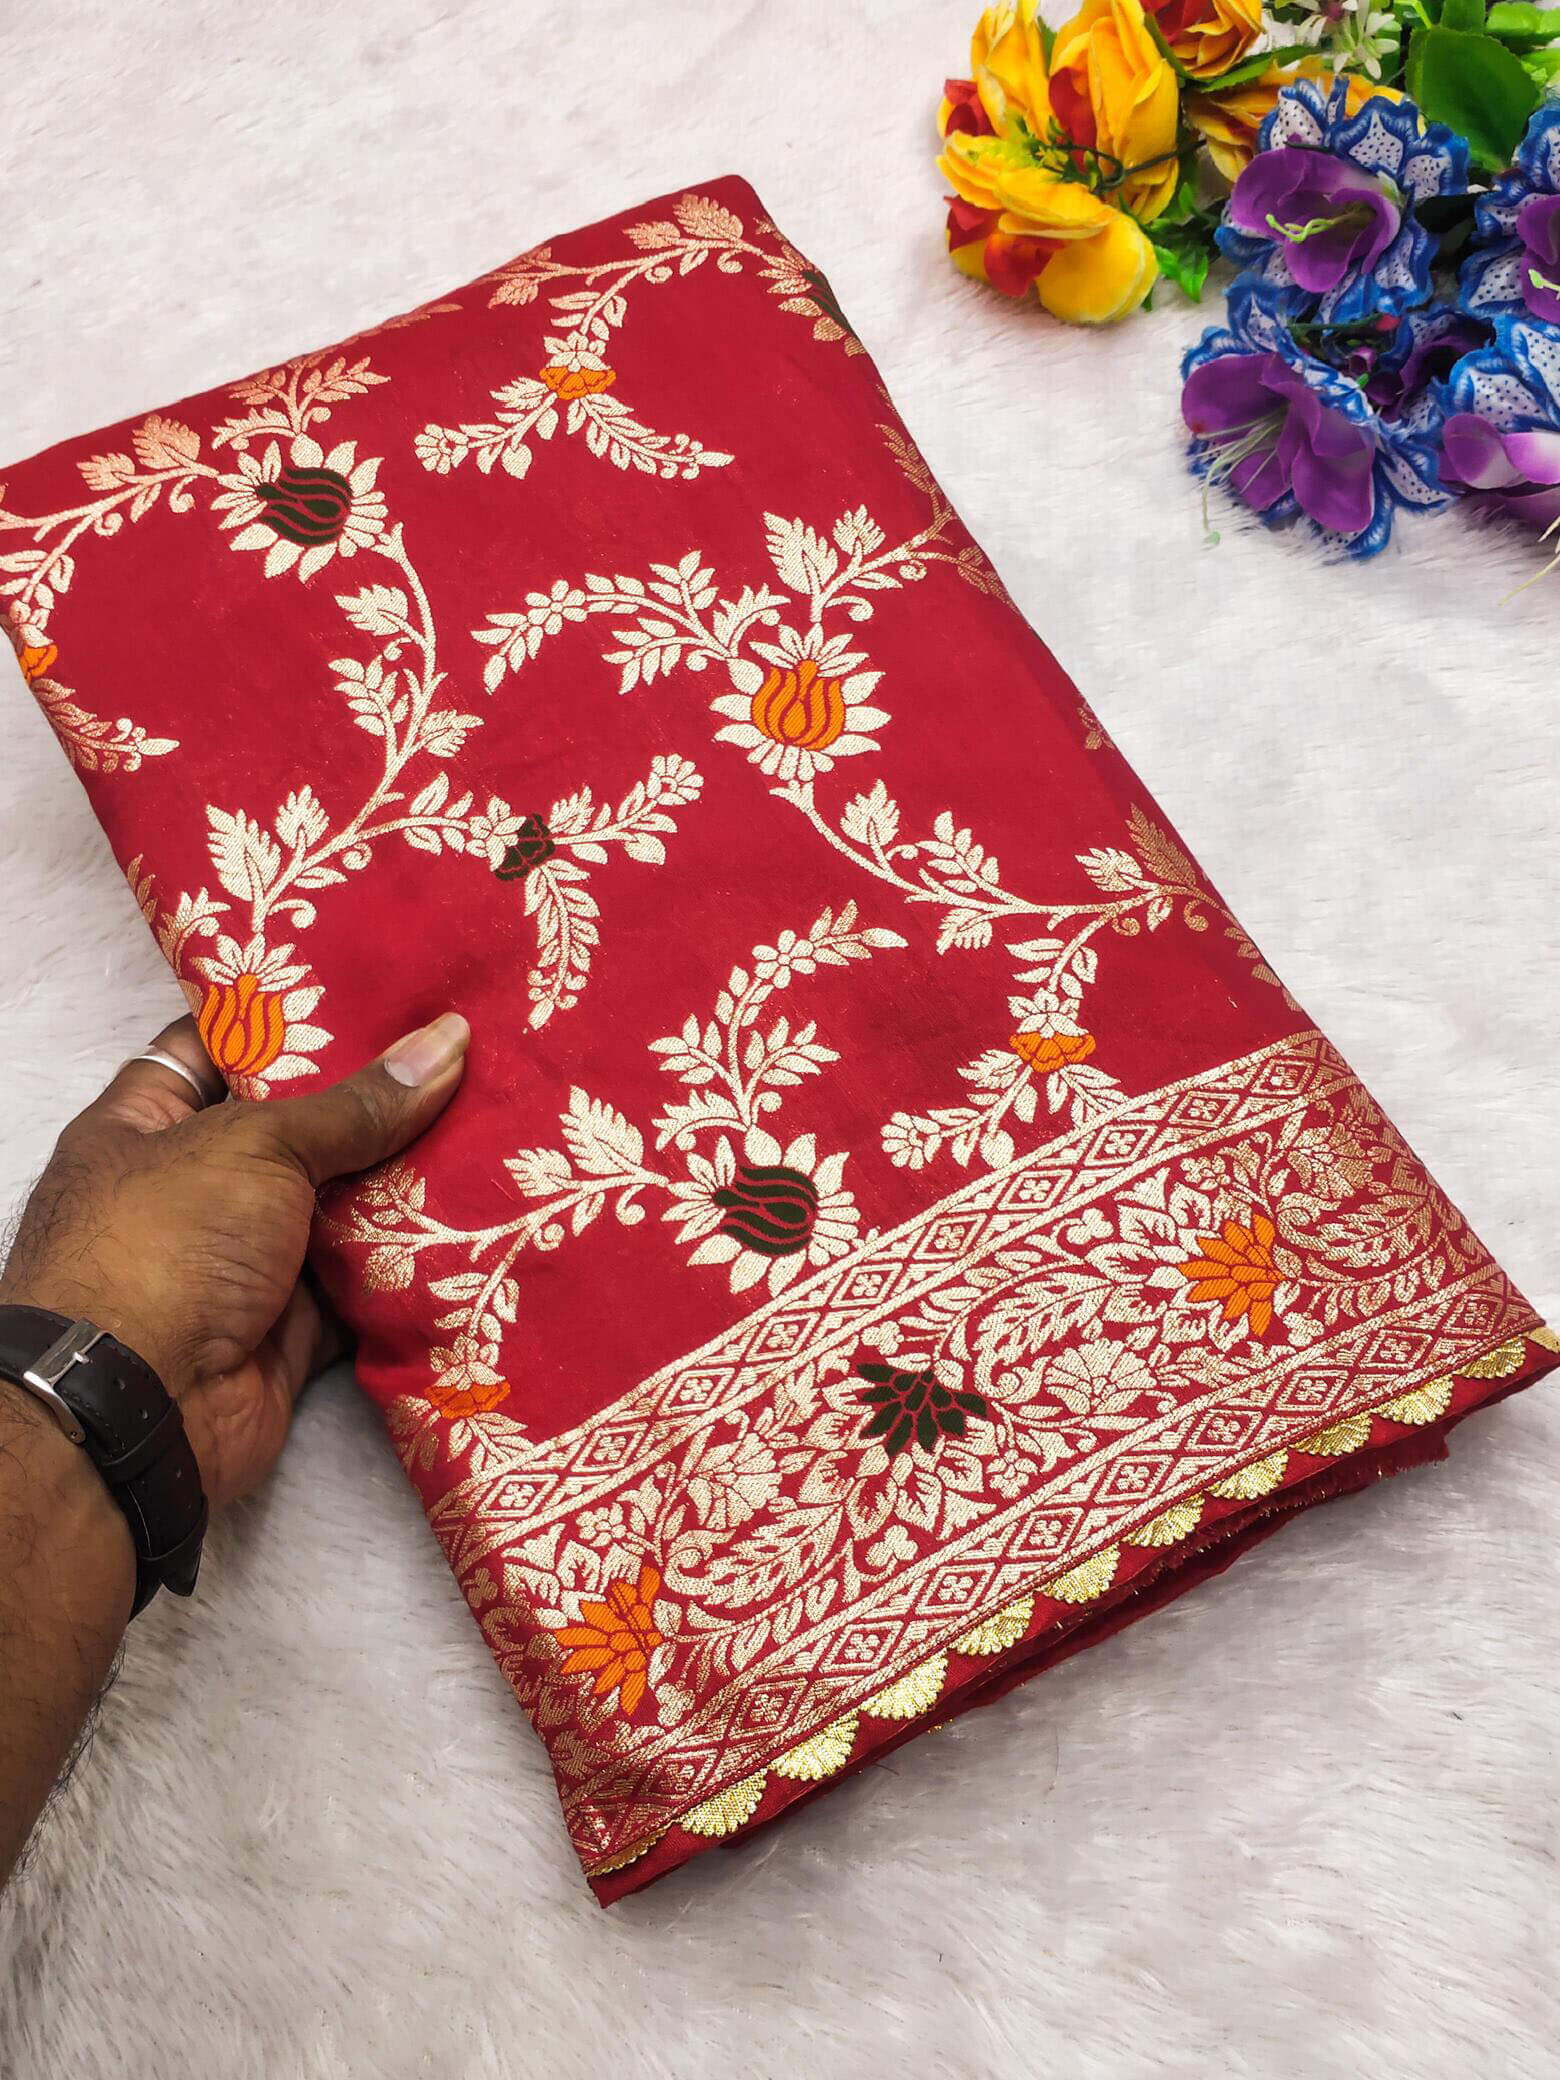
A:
[1501, 439]
[1511, 271]
[1406, 381]
[1292, 435]
[1327, 205]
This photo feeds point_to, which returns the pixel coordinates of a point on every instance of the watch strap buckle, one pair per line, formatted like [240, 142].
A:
[46, 1371]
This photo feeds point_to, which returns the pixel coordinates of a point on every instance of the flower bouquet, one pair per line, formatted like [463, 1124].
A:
[1393, 337]
[1387, 187]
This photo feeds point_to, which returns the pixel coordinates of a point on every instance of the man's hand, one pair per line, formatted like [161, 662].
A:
[182, 1231]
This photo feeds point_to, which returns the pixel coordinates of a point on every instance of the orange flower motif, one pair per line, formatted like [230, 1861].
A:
[569, 383]
[1237, 1267]
[475, 1398]
[242, 1026]
[799, 706]
[36, 659]
[1047, 1051]
[614, 1640]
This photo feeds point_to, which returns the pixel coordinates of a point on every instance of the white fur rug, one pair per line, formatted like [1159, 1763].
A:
[1303, 1824]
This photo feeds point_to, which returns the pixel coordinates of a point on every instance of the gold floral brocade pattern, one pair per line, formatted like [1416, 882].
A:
[837, 1746]
[797, 1032]
[800, 1564]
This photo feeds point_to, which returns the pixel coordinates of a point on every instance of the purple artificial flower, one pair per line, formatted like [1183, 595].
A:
[1279, 436]
[1513, 270]
[1329, 205]
[1328, 217]
[1424, 349]
[1517, 472]
[1538, 227]
[1501, 439]
[1294, 436]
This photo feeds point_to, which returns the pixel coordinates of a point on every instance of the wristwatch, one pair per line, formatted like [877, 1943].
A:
[112, 1404]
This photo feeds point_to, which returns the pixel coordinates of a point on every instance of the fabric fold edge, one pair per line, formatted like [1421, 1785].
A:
[1170, 1553]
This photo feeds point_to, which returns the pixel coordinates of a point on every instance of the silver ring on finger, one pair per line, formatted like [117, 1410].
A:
[165, 1060]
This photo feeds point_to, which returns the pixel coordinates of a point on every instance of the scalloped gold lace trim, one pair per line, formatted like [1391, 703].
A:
[828, 1750]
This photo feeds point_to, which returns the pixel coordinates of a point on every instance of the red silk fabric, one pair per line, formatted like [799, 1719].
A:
[895, 1228]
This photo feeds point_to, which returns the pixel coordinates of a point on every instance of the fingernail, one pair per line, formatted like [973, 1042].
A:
[419, 1057]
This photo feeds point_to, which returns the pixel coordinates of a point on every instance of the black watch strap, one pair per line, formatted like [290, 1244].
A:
[112, 1404]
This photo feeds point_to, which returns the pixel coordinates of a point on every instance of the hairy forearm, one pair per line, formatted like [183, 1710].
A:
[67, 1576]
[177, 1224]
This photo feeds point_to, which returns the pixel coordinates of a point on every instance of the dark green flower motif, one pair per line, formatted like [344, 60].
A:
[533, 845]
[306, 506]
[915, 1405]
[768, 1208]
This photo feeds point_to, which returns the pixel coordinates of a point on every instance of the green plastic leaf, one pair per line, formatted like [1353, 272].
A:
[1475, 86]
[1183, 259]
[1161, 43]
[1182, 204]
[1522, 25]
[1253, 68]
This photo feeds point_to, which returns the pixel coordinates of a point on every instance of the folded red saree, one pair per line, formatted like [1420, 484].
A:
[895, 1227]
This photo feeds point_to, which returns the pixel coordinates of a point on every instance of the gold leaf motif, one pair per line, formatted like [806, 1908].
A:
[624, 1859]
[1338, 1438]
[821, 1754]
[1260, 1478]
[1546, 1338]
[912, 1694]
[1426, 1404]
[1499, 1363]
[729, 1809]
[1176, 1523]
[1082, 1584]
[1004, 1629]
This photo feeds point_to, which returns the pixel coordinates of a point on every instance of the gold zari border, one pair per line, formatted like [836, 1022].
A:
[834, 1747]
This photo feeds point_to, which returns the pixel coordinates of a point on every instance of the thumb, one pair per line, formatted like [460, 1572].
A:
[372, 1114]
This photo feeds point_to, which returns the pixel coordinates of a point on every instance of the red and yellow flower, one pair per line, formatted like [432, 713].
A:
[1207, 37]
[1039, 152]
[1228, 121]
[1016, 227]
[1065, 148]
[614, 1639]
[1116, 97]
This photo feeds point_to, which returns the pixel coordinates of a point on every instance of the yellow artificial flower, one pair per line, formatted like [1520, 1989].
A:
[1207, 37]
[1089, 263]
[1027, 147]
[1113, 90]
[1228, 122]
[1007, 64]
